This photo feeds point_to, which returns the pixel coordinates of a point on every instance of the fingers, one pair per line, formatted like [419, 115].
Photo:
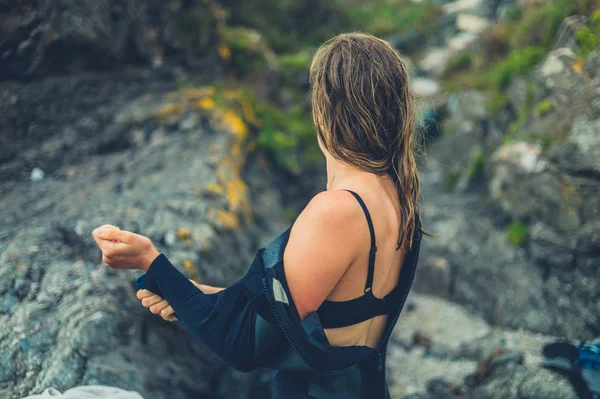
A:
[157, 304]
[109, 232]
[142, 293]
[168, 314]
[158, 307]
[152, 300]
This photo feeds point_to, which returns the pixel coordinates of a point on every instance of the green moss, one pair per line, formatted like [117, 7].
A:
[497, 101]
[588, 40]
[249, 50]
[595, 19]
[518, 62]
[385, 17]
[518, 233]
[513, 13]
[470, 79]
[459, 62]
[452, 179]
[544, 107]
[294, 65]
[476, 166]
[287, 135]
[530, 94]
[539, 25]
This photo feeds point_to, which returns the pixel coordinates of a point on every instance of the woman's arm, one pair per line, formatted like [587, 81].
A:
[160, 306]
[207, 289]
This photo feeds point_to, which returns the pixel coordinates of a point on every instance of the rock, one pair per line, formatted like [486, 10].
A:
[567, 33]
[557, 60]
[68, 320]
[37, 174]
[435, 60]
[424, 87]
[482, 348]
[434, 275]
[461, 6]
[462, 41]
[521, 381]
[99, 35]
[523, 162]
[471, 23]
[580, 153]
[462, 348]
[407, 42]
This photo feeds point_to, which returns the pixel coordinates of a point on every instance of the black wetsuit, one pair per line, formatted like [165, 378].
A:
[254, 323]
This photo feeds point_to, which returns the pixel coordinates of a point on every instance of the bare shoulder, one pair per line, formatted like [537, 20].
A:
[323, 243]
[336, 206]
[333, 216]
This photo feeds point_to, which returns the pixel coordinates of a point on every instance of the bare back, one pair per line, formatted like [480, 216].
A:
[384, 209]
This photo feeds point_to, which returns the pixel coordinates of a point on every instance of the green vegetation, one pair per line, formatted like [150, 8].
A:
[538, 25]
[516, 46]
[288, 136]
[518, 233]
[452, 179]
[385, 17]
[476, 166]
[543, 140]
[460, 62]
[518, 62]
[588, 37]
[543, 107]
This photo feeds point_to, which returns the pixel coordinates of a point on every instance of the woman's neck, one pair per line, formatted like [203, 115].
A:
[340, 175]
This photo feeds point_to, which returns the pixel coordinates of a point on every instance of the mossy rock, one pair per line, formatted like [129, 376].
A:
[517, 233]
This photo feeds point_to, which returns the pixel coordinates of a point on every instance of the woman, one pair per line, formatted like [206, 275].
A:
[349, 257]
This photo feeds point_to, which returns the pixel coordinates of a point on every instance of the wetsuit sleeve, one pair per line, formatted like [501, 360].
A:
[224, 321]
[163, 279]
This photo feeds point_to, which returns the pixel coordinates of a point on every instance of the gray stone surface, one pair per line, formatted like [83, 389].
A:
[66, 319]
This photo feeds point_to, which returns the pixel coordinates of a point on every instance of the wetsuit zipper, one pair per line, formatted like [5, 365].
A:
[292, 344]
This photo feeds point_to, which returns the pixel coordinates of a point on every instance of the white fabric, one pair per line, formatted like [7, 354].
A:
[87, 392]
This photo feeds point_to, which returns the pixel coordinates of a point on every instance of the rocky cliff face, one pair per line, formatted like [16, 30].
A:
[69, 320]
[542, 177]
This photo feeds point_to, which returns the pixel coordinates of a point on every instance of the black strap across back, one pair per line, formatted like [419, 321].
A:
[334, 314]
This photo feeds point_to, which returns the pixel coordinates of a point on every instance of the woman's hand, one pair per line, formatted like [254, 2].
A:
[157, 305]
[123, 249]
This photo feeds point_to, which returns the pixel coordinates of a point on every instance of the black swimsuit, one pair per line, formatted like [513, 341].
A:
[335, 314]
[254, 323]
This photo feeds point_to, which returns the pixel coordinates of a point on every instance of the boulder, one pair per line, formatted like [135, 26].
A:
[68, 36]
[472, 23]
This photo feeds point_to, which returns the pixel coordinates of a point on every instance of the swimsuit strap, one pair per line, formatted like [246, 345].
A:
[373, 250]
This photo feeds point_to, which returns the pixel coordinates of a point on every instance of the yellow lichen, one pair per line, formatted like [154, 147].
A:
[194, 93]
[205, 103]
[226, 219]
[214, 188]
[236, 193]
[183, 233]
[224, 52]
[170, 109]
[578, 64]
[190, 270]
[232, 122]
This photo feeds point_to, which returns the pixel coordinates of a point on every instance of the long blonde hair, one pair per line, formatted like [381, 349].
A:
[363, 112]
